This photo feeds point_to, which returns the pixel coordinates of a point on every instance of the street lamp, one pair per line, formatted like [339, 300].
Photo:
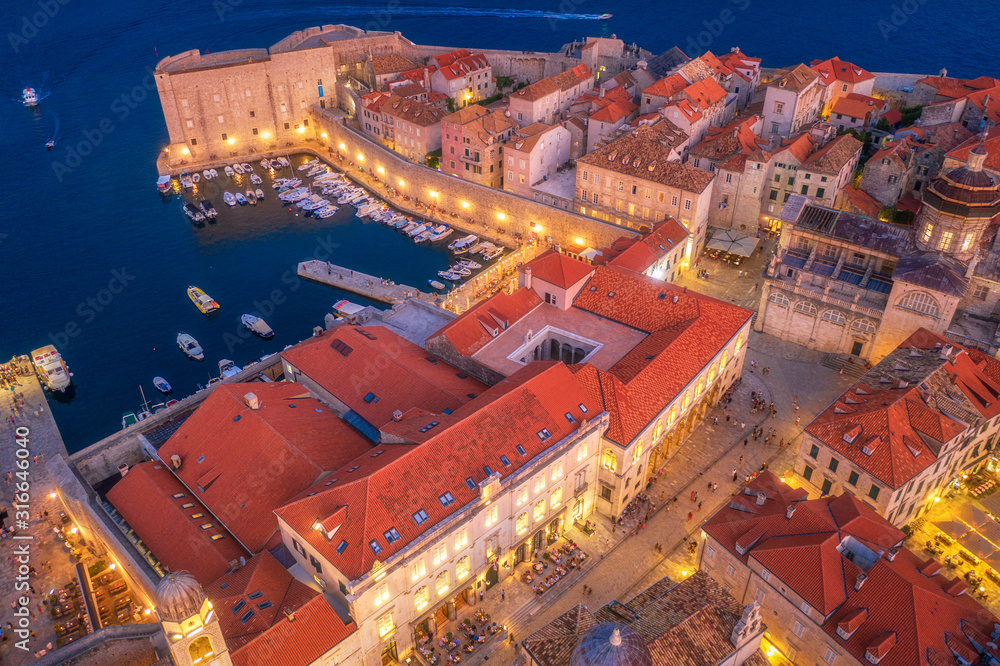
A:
[380, 170]
[323, 135]
[265, 135]
[361, 158]
[301, 130]
[501, 217]
[341, 146]
[231, 141]
[401, 183]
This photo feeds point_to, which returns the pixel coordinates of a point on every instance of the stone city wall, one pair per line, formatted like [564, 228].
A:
[521, 216]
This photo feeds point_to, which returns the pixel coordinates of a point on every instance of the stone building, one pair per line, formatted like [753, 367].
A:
[466, 78]
[633, 182]
[409, 127]
[380, 68]
[472, 141]
[841, 79]
[835, 583]
[932, 142]
[792, 100]
[827, 171]
[786, 160]
[856, 112]
[546, 101]
[890, 172]
[851, 285]
[910, 426]
[532, 155]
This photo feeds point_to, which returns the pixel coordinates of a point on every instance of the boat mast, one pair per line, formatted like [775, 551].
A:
[143, 394]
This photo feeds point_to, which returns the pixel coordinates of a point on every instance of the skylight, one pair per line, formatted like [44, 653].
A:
[505, 460]
[255, 595]
[246, 617]
[371, 398]
[488, 470]
[429, 426]
[342, 547]
[583, 408]
[446, 499]
[264, 604]
[420, 516]
[391, 535]
[239, 606]
[520, 449]
[543, 434]
[374, 545]
[469, 482]
[569, 417]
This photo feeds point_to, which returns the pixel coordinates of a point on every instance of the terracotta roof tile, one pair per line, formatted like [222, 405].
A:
[832, 157]
[796, 78]
[315, 630]
[836, 69]
[460, 63]
[558, 269]
[667, 86]
[410, 110]
[472, 330]
[389, 63]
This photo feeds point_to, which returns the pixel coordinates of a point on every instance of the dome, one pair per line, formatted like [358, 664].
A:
[611, 644]
[178, 596]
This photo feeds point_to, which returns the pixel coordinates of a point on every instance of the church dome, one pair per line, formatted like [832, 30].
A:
[178, 596]
[967, 191]
[611, 644]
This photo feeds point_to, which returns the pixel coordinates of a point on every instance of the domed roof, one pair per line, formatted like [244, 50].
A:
[178, 596]
[611, 644]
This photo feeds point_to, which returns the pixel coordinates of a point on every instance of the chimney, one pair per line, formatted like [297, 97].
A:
[761, 497]
[891, 555]
[527, 277]
[289, 614]
[397, 416]
[859, 581]
[602, 92]
[123, 469]
[789, 512]
[252, 401]
[175, 461]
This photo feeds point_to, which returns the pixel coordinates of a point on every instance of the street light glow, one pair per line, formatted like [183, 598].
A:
[323, 135]
[231, 140]
[301, 130]
[361, 158]
[341, 146]
[266, 135]
[465, 204]
[401, 183]
[380, 170]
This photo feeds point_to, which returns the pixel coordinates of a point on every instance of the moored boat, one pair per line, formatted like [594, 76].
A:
[190, 346]
[462, 245]
[164, 185]
[346, 308]
[251, 198]
[209, 209]
[441, 232]
[257, 326]
[436, 284]
[186, 181]
[240, 199]
[196, 178]
[229, 171]
[162, 385]
[308, 165]
[51, 368]
[238, 168]
[207, 174]
[201, 300]
[229, 369]
[192, 212]
[260, 194]
[229, 198]
[128, 419]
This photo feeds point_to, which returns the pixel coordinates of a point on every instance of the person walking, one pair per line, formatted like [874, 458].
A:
[734, 473]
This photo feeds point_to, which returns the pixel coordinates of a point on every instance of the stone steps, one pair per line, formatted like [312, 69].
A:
[843, 361]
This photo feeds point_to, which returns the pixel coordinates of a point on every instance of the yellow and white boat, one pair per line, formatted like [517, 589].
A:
[202, 301]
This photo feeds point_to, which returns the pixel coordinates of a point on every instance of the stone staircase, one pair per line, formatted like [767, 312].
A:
[852, 365]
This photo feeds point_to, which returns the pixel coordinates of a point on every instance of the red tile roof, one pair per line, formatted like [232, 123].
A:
[473, 329]
[795, 79]
[730, 146]
[388, 63]
[644, 251]
[832, 157]
[705, 93]
[667, 86]
[562, 81]
[799, 147]
[857, 108]
[888, 429]
[836, 69]
[389, 488]
[243, 463]
[800, 551]
[381, 373]
[460, 63]
[559, 270]
[961, 152]
[862, 202]
[145, 499]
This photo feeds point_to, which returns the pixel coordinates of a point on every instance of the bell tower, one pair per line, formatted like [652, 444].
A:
[190, 622]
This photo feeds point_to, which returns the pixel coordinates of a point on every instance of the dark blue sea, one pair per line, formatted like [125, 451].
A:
[92, 259]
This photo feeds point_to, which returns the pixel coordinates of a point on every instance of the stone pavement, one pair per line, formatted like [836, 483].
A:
[624, 561]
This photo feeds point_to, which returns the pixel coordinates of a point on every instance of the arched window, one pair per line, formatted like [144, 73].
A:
[920, 302]
[462, 568]
[711, 373]
[725, 359]
[834, 317]
[200, 649]
[778, 298]
[609, 461]
[672, 416]
[521, 526]
[442, 583]
[698, 386]
[657, 429]
[687, 401]
[637, 452]
[422, 598]
[806, 308]
[539, 511]
[863, 325]
[739, 342]
[556, 498]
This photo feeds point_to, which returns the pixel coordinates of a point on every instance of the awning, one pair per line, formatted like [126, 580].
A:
[971, 515]
[976, 544]
[733, 243]
[953, 528]
[991, 531]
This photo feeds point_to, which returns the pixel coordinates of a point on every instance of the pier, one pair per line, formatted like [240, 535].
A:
[356, 282]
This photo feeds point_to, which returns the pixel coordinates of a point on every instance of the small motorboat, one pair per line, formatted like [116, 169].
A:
[422, 237]
[229, 369]
[190, 346]
[29, 97]
[257, 326]
[164, 185]
[229, 198]
[246, 167]
[215, 174]
[196, 178]
[347, 309]
[186, 181]
[441, 232]
[238, 168]
[260, 194]
[451, 277]
[462, 245]
[201, 300]
[436, 284]
[605, 16]
[324, 213]
[265, 163]
[129, 419]
[50, 144]
[207, 174]
[171, 403]
[308, 165]
[251, 198]
[470, 264]
[460, 270]
[492, 253]
[255, 179]
[417, 230]
[229, 171]
[209, 209]
[162, 385]
[193, 213]
[51, 369]
[240, 199]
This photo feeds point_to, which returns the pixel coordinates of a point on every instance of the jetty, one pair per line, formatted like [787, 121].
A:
[356, 282]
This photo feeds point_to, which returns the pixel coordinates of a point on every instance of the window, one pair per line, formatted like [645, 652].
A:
[556, 498]
[759, 595]
[853, 479]
[605, 492]
[711, 374]
[686, 402]
[804, 607]
[863, 326]
[206, 526]
[557, 471]
[739, 343]
[766, 575]
[522, 496]
[539, 511]
[710, 552]
[946, 238]
[381, 594]
[491, 515]
[814, 452]
[446, 499]
[521, 526]
[730, 570]
[798, 629]
[778, 298]
[224, 136]
[418, 570]
[581, 451]
[806, 308]
[461, 538]
[834, 464]
[920, 302]
[420, 516]
[609, 461]
[873, 492]
[834, 317]
[830, 657]
[385, 625]
[981, 292]
[374, 545]
[391, 535]
[775, 128]
[807, 473]
[539, 482]
[687, 204]
[779, 107]
[421, 598]
[195, 516]
[315, 564]
[820, 192]
[725, 359]
[463, 568]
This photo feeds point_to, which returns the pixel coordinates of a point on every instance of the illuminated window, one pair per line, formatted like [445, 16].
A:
[711, 373]
[462, 539]
[556, 499]
[522, 496]
[462, 568]
[863, 325]
[581, 451]
[557, 471]
[672, 416]
[725, 359]
[381, 594]
[200, 649]
[422, 598]
[440, 554]
[657, 429]
[539, 482]
[419, 569]
[698, 386]
[521, 526]
[928, 232]
[778, 298]
[920, 302]
[491, 515]
[686, 402]
[385, 625]
[442, 583]
[609, 461]
[946, 239]
[739, 342]
[967, 243]
[539, 510]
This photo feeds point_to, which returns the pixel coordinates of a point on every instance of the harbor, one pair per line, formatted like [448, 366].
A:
[356, 282]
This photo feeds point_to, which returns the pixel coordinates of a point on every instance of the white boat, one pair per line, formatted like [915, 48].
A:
[282, 162]
[229, 171]
[441, 232]
[192, 212]
[164, 185]
[229, 198]
[190, 346]
[51, 368]
[251, 198]
[317, 205]
[450, 276]
[308, 165]
[470, 264]
[207, 174]
[246, 167]
[492, 253]
[215, 174]
[436, 284]
[346, 308]
[305, 201]
[195, 177]
[255, 179]
[460, 270]
[419, 229]
[162, 385]
[29, 97]
[240, 199]
[260, 194]
[462, 245]
[328, 176]
[257, 326]
[293, 196]
[238, 168]
[229, 369]
[422, 237]
[186, 181]
[209, 209]
[326, 212]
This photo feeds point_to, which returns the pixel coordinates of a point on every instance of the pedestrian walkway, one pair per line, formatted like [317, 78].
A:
[356, 282]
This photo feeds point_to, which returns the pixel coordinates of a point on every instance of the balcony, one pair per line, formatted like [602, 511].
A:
[581, 489]
[470, 159]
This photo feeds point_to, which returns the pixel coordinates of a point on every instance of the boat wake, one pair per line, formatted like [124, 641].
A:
[366, 10]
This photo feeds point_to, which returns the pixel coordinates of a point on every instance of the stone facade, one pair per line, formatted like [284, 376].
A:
[792, 100]
[532, 157]
[472, 144]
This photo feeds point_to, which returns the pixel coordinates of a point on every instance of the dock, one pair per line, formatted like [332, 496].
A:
[356, 282]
